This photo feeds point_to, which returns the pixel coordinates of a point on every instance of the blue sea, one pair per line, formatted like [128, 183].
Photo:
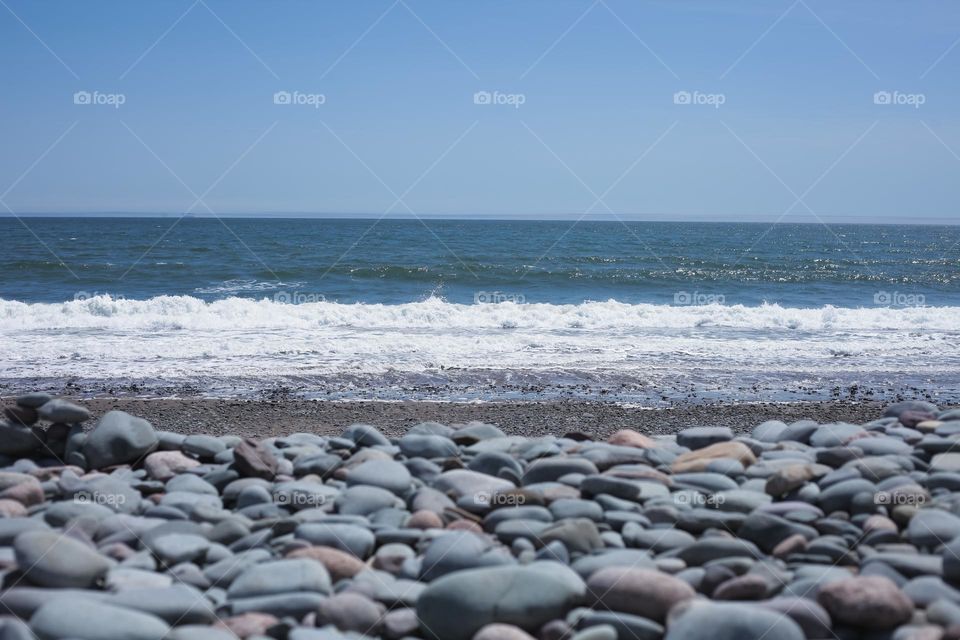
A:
[646, 313]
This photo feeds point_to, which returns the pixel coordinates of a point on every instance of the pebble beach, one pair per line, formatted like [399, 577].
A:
[116, 529]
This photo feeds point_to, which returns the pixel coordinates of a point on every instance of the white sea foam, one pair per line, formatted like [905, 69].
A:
[187, 312]
[477, 347]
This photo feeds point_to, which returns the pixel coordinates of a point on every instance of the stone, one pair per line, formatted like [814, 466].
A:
[118, 438]
[699, 620]
[281, 576]
[458, 605]
[164, 465]
[385, 474]
[252, 459]
[49, 559]
[700, 437]
[88, 619]
[945, 462]
[631, 438]
[502, 632]
[698, 460]
[62, 411]
[643, 592]
[870, 602]
[352, 612]
[339, 564]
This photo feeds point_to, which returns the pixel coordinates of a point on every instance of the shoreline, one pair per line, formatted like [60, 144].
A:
[268, 418]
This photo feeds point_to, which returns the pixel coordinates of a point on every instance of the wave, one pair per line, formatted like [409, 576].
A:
[302, 311]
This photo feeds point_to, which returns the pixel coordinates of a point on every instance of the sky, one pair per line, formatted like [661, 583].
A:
[792, 110]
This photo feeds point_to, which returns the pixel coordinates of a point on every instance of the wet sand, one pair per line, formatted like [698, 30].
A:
[266, 418]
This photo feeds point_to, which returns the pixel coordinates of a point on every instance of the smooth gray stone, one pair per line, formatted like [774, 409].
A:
[281, 576]
[92, 620]
[415, 445]
[700, 620]
[896, 409]
[910, 565]
[16, 440]
[321, 464]
[118, 438]
[364, 435]
[223, 572]
[385, 474]
[707, 549]
[107, 491]
[925, 590]
[456, 606]
[586, 565]
[346, 537]
[34, 400]
[525, 512]
[951, 561]
[364, 500]
[767, 530]
[839, 496]
[578, 535]
[203, 446]
[492, 463]
[576, 508]
[177, 604]
[930, 528]
[10, 528]
[883, 446]
[623, 625]
[200, 632]
[431, 429]
[704, 481]
[799, 431]
[807, 613]
[62, 411]
[836, 434]
[280, 605]
[474, 432]
[175, 548]
[658, 540]
[458, 550]
[769, 431]
[550, 469]
[700, 437]
[49, 559]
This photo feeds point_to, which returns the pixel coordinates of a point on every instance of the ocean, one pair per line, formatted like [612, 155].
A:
[644, 313]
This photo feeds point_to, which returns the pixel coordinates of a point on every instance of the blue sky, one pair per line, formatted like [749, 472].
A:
[597, 130]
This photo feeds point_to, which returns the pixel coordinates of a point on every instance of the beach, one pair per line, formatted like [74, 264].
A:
[264, 418]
